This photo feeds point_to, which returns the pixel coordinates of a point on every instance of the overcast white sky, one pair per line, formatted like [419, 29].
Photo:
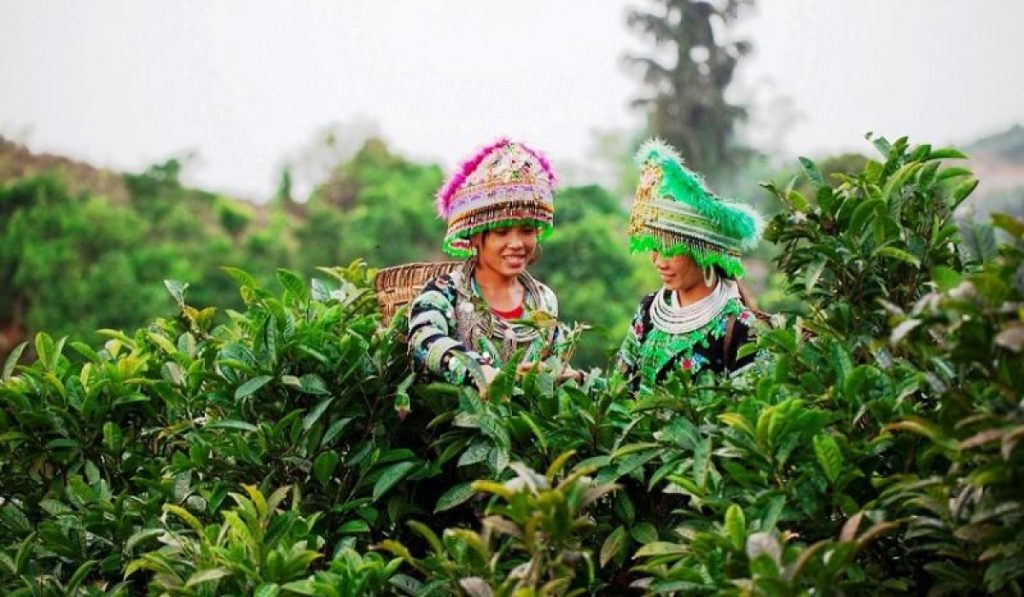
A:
[243, 83]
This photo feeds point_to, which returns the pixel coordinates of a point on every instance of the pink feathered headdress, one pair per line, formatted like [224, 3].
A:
[503, 184]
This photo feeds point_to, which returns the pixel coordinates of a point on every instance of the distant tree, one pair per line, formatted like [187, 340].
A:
[284, 193]
[377, 206]
[234, 217]
[155, 181]
[70, 265]
[310, 164]
[686, 76]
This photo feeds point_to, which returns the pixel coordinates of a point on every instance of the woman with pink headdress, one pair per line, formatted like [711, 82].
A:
[498, 206]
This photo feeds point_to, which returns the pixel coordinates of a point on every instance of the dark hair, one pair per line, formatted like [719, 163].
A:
[535, 257]
[746, 297]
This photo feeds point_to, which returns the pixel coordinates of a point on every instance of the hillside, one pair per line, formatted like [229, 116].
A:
[998, 162]
[17, 161]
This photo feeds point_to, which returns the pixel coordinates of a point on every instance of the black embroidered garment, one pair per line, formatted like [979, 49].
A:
[450, 317]
[650, 352]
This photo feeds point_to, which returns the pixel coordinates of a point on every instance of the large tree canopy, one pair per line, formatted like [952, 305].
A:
[686, 77]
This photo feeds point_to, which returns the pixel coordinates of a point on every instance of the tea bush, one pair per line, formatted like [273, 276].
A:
[290, 450]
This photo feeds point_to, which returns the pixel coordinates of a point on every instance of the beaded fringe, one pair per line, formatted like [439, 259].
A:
[702, 252]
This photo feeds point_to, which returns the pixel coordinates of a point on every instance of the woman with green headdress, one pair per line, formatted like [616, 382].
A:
[700, 317]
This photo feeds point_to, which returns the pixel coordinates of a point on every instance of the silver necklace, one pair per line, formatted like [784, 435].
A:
[670, 317]
[475, 319]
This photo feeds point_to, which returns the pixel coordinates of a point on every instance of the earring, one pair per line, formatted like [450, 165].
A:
[710, 276]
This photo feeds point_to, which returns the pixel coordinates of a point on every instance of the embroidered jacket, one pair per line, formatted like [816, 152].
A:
[649, 354]
[450, 318]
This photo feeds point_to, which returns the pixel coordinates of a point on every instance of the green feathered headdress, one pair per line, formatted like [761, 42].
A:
[675, 213]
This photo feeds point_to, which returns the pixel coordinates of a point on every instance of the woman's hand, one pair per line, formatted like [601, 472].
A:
[566, 373]
[526, 367]
[489, 374]
[574, 374]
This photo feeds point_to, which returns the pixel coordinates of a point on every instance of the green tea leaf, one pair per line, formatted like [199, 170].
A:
[406, 583]
[924, 428]
[391, 477]
[535, 429]
[826, 450]
[963, 190]
[310, 383]
[946, 278]
[334, 430]
[900, 254]
[474, 454]
[428, 535]
[736, 526]
[163, 343]
[644, 533]
[881, 144]
[12, 360]
[232, 424]
[315, 413]
[293, 284]
[252, 386]
[324, 466]
[208, 575]
[354, 527]
[863, 212]
[457, 494]
[825, 197]
[45, 350]
[956, 172]
[242, 277]
[177, 290]
[797, 201]
[63, 442]
[661, 548]
[141, 536]
[80, 573]
[625, 508]
[613, 545]
[813, 274]
[812, 171]
[272, 589]
[946, 153]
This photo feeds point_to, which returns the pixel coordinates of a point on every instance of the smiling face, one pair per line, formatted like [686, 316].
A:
[506, 251]
[679, 273]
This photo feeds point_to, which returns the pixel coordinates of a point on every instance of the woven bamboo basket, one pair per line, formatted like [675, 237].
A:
[399, 285]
